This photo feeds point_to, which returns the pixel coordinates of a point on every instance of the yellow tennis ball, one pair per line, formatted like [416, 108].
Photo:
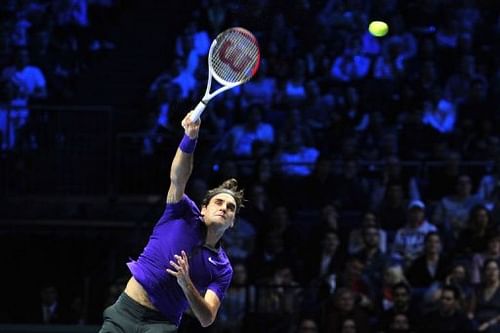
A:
[378, 28]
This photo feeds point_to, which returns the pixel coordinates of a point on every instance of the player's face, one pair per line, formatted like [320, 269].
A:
[221, 210]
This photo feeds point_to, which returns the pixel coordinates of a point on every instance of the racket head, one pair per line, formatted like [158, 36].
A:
[234, 56]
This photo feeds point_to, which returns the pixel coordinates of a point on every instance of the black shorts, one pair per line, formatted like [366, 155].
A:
[126, 315]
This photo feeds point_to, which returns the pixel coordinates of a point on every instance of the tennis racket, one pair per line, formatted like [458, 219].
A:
[233, 59]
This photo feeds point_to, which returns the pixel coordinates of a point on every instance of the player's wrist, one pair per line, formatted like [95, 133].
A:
[188, 144]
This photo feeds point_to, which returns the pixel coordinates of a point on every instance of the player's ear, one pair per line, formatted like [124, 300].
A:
[203, 210]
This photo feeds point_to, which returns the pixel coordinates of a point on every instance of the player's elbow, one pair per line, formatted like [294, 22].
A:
[208, 319]
[207, 322]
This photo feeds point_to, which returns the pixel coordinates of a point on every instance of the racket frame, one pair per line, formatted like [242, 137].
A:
[226, 85]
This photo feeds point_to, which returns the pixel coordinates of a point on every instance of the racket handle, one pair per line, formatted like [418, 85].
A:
[197, 111]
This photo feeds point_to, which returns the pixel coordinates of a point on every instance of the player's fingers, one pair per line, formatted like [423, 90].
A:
[171, 272]
[174, 265]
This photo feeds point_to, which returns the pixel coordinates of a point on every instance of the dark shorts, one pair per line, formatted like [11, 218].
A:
[126, 315]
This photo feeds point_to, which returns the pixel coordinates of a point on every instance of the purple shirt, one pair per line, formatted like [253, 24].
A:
[180, 228]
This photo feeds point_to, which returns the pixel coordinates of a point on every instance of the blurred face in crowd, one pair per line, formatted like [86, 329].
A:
[494, 246]
[491, 272]
[369, 219]
[480, 218]
[416, 216]
[458, 274]
[433, 244]
[239, 274]
[400, 322]
[344, 300]
[448, 302]
[354, 268]
[330, 243]
[284, 276]
[393, 275]
[329, 215]
[308, 326]
[401, 298]
[395, 193]
[348, 326]
[464, 186]
[371, 237]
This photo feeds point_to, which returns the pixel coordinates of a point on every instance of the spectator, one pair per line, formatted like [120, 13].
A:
[242, 138]
[402, 304]
[392, 211]
[294, 90]
[400, 323]
[492, 252]
[459, 84]
[320, 178]
[240, 241]
[307, 325]
[449, 317]
[24, 84]
[351, 189]
[356, 236]
[474, 237]
[458, 277]
[489, 182]
[295, 155]
[325, 260]
[439, 113]
[442, 178]
[351, 65]
[28, 80]
[318, 108]
[430, 267]
[410, 239]
[261, 89]
[393, 275]
[342, 306]
[393, 173]
[485, 305]
[373, 259]
[239, 300]
[452, 211]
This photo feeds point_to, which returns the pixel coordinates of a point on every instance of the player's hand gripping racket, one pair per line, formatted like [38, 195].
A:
[233, 59]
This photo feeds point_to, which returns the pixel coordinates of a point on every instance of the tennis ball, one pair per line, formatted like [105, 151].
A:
[378, 28]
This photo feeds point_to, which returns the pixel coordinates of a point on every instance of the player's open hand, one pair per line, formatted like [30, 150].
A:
[180, 269]
[191, 128]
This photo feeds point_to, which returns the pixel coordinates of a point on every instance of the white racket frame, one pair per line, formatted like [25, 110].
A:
[226, 85]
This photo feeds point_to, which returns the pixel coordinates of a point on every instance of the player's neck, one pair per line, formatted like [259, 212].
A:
[213, 237]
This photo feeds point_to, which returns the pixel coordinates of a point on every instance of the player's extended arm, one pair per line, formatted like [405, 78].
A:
[182, 165]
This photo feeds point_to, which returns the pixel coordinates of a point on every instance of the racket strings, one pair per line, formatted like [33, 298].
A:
[235, 57]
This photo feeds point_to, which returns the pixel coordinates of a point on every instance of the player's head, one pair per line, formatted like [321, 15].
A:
[230, 187]
[220, 205]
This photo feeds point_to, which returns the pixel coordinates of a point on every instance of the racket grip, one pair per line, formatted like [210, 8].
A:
[198, 111]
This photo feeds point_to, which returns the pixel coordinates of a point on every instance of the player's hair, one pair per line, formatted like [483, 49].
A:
[230, 187]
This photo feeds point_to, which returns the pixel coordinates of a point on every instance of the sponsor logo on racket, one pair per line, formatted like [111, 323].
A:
[229, 55]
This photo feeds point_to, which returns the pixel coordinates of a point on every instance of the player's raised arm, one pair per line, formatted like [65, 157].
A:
[182, 164]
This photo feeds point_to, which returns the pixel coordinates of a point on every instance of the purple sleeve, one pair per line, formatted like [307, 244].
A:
[220, 285]
[184, 208]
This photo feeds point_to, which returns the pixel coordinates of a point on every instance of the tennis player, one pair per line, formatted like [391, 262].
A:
[183, 265]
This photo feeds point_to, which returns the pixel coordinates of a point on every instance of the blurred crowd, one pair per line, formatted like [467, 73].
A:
[327, 243]
[45, 45]
[340, 233]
